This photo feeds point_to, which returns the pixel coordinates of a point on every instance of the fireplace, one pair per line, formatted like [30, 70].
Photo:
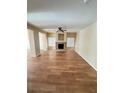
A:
[60, 46]
[61, 41]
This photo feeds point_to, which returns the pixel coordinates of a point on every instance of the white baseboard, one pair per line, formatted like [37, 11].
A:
[87, 61]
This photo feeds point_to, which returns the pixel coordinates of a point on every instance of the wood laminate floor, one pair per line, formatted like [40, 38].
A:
[60, 72]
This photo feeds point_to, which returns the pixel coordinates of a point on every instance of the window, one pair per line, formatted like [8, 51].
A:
[51, 41]
[70, 42]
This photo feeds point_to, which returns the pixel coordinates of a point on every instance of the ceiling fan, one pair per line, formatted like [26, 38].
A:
[60, 29]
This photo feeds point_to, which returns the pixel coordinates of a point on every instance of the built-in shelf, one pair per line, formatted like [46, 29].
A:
[60, 37]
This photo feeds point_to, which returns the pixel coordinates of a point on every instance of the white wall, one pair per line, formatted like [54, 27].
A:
[34, 42]
[37, 43]
[43, 41]
[28, 43]
[86, 44]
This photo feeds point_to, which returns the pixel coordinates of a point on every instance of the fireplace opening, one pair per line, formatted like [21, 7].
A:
[60, 46]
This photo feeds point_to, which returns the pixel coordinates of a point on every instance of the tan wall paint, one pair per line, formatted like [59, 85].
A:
[68, 34]
[51, 34]
[71, 35]
[86, 44]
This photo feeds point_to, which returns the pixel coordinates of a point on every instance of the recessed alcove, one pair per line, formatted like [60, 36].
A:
[61, 37]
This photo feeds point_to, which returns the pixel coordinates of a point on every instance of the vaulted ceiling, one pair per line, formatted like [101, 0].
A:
[72, 15]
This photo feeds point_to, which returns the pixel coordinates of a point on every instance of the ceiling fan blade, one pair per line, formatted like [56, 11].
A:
[60, 29]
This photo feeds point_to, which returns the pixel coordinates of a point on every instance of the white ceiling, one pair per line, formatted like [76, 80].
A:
[73, 15]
